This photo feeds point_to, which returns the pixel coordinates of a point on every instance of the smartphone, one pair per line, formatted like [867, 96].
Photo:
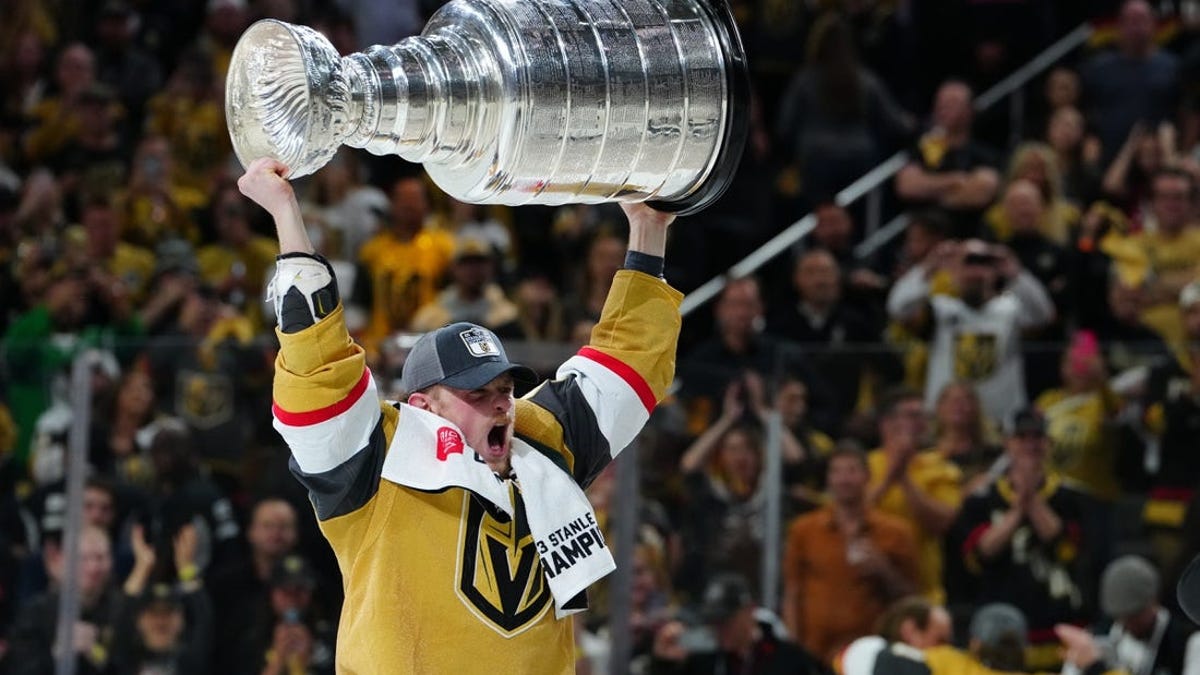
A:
[979, 259]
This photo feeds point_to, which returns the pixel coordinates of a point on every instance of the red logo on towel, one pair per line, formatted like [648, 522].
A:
[449, 442]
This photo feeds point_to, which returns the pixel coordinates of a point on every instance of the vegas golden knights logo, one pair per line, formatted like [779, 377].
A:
[499, 572]
[204, 399]
[974, 356]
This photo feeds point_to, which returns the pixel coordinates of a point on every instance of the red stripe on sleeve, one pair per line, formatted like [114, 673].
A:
[631, 376]
[305, 419]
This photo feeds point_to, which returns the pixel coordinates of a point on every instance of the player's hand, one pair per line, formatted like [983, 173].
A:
[640, 213]
[265, 184]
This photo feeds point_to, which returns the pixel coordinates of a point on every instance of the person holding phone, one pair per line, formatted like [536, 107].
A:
[976, 333]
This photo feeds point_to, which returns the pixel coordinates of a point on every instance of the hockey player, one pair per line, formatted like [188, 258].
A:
[457, 516]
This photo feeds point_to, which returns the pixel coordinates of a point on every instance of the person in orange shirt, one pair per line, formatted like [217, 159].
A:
[921, 487]
[844, 563]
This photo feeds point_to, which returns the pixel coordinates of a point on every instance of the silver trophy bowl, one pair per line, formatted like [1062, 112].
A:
[513, 101]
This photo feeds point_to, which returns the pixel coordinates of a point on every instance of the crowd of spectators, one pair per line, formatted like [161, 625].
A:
[990, 409]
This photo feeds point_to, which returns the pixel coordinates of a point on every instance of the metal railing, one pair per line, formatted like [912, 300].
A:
[871, 184]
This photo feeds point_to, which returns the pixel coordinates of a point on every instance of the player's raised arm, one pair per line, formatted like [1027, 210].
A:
[264, 182]
[325, 402]
[602, 396]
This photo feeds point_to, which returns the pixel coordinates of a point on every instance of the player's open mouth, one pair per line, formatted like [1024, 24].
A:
[495, 439]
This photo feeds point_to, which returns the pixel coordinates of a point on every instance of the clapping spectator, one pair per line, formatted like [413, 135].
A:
[806, 478]
[344, 209]
[298, 640]
[724, 499]
[163, 628]
[740, 345]
[1021, 540]
[183, 495]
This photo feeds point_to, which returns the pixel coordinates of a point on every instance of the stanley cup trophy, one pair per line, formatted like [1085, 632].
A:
[513, 101]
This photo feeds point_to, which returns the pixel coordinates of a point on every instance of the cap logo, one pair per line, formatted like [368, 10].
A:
[480, 343]
[449, 442]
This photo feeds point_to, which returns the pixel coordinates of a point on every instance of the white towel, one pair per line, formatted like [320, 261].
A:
[428, 452]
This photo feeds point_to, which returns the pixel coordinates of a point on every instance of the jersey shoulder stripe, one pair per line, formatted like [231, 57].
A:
[631, 377]
[311, 417]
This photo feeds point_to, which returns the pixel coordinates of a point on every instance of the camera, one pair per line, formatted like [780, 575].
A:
[979, 258]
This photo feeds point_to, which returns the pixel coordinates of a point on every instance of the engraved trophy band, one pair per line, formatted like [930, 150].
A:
[513, 101]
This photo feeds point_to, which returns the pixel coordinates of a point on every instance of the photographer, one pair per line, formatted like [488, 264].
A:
[732, 635]
[977, 333]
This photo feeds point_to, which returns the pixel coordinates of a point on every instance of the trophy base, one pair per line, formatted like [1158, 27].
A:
[737, 119]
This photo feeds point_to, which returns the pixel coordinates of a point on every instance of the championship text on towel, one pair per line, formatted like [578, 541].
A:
[569, 544]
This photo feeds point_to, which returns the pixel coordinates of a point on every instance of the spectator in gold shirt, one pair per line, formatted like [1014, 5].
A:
[920, 487]
[403, 265]
[236, 265]
[1168, 253]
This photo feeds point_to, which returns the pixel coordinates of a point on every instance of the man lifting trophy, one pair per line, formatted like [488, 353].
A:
[547, 102]
[457, 514]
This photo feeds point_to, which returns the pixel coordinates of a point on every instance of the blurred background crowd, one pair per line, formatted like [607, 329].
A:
[1001, 403]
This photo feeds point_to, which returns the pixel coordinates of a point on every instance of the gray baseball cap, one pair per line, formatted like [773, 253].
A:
[1129, 585]
[461, 355]
[993, 622]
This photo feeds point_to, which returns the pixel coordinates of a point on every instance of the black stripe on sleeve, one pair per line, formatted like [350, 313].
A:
[581, 432]
[350, 485]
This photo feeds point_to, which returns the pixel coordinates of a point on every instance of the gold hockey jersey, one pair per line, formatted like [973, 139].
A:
[443, 582]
